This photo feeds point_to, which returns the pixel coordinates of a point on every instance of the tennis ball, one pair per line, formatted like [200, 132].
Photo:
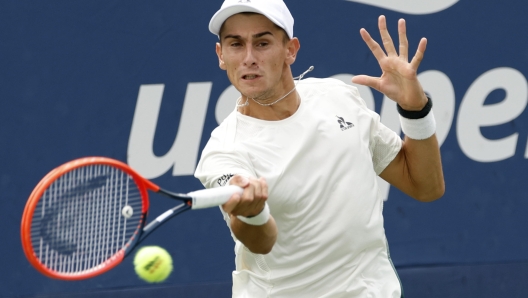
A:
[153, 264]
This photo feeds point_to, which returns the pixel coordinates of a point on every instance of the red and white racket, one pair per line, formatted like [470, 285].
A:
[86, 215]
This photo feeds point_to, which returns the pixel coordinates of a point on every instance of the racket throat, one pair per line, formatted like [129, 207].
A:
[177, 196]
[156, 223]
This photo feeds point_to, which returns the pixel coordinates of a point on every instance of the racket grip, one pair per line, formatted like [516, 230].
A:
[212, 197]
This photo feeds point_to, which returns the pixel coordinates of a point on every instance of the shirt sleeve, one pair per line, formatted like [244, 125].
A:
[220, 161]
[385, 145]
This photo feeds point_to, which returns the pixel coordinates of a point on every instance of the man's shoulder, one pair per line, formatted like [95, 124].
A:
[322, 82]
[221, 133]
[331, 89]
[327, 85]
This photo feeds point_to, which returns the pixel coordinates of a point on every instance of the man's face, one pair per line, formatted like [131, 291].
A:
[253, 51]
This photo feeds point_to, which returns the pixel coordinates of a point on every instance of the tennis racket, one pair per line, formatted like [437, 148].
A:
[86, 215]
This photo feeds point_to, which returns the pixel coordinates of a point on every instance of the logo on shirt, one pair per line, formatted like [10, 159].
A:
[343, 124]
[224, 179]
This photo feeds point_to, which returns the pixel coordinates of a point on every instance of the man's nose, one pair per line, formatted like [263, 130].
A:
[250, 58]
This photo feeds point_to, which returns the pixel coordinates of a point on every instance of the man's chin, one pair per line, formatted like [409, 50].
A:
[253, 94]
[252, 91]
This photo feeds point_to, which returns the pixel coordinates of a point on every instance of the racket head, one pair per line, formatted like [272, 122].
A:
[83, 216]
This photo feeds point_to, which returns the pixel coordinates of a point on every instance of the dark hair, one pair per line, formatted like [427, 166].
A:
[285, 38]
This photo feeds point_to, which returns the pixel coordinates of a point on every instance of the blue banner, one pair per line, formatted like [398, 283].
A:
[139, 81]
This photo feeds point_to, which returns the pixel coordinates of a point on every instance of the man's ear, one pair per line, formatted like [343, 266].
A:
[293, 47]
[221, 62]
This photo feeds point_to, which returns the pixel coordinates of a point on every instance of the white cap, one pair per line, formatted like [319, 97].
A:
[275, 10]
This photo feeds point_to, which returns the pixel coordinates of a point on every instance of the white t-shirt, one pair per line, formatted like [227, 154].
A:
[321, 165]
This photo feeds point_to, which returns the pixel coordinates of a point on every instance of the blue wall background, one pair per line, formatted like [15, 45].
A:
[70, 74]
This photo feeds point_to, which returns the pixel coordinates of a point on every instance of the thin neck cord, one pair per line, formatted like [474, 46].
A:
[238, 105]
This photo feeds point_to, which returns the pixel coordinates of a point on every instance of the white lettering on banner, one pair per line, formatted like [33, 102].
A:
[410, 6]
[473, 114]
[526, 152]
[183, 154]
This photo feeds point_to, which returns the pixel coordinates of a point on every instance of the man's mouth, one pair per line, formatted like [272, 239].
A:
[250, 76]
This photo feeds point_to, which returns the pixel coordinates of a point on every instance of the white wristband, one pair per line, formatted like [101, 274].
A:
[419, 129]
[259, 219]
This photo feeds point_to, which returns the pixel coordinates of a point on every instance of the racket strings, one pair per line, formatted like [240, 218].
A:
[85, 217]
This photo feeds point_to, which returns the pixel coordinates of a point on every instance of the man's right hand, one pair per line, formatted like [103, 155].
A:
[259, 239]
[252, 200]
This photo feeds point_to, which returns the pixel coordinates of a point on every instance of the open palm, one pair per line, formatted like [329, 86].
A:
[399, 79]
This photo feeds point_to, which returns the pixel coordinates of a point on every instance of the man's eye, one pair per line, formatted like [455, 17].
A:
[262, 44]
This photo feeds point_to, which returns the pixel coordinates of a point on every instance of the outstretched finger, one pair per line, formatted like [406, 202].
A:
[418, 57]
[372, 44]
[369, 81]
[388, 44]
[404, 43]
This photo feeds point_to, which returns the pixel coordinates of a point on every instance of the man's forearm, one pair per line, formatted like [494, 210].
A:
[258, 239]
[423, 166]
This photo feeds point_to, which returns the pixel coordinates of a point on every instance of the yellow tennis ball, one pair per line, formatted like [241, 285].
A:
[153, 264]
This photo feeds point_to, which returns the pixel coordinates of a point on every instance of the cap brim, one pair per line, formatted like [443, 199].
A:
[222, 15]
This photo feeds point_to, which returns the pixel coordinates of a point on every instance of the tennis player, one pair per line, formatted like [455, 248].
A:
[307, 152]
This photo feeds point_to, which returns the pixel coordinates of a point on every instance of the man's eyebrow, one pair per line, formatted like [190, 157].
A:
[258, 35]
[232, 36]
[262, 34]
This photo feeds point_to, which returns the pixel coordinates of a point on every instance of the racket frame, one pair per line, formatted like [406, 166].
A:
[37, 193]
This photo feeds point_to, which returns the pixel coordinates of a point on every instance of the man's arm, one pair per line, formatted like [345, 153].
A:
[258, 239]
[417, 169]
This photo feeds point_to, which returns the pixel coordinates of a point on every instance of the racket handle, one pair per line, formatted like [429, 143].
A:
[212, 197]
